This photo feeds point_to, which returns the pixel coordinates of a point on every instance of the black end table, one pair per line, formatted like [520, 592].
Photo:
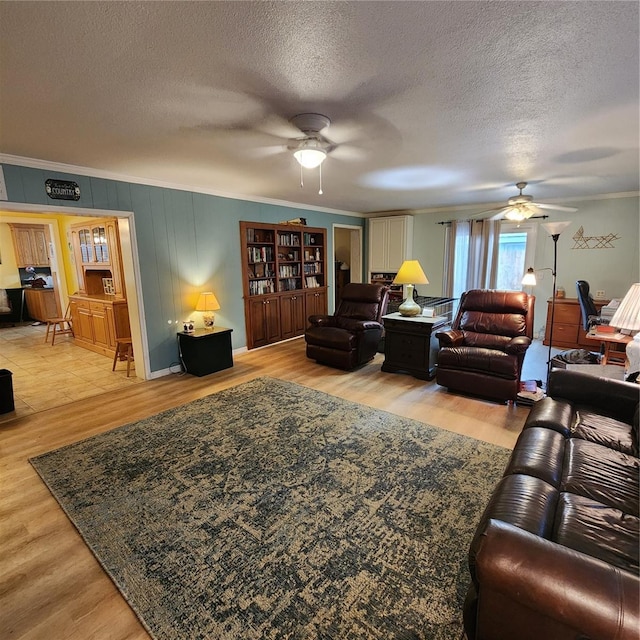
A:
[205, 351]
[409, 344]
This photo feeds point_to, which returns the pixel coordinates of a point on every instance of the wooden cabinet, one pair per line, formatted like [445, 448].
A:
[96, 249]
[410, 344]
[263, 321]
[315, 303]
[42, 304]
[284, 279]
[31, 244]
[292, 315]
[97, 322]
[390, 242]
[568, 332]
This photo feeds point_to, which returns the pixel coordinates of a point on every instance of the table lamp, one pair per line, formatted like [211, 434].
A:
[410, 273]
[208, 303]
[627, 320]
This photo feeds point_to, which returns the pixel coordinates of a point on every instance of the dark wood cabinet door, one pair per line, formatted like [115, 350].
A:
[264, 321]
[292, 315]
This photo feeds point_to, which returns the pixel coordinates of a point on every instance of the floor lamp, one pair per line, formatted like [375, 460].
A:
[554, 229]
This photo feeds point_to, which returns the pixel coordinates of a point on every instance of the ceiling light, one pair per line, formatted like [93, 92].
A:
[518, 213]
[310, 153]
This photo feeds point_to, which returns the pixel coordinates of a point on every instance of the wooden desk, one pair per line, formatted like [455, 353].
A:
[615, 345]
[409, 344]
[568, 332]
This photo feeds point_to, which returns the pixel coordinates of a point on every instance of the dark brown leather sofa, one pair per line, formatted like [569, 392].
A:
[483, 352]
[555, 555]
[351, 336]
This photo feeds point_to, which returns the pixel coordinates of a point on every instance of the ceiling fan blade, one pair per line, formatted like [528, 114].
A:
[556, 207]
[497, 213]
[279, 127]
[266, 152]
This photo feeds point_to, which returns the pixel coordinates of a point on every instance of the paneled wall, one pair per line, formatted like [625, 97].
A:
[186, 242]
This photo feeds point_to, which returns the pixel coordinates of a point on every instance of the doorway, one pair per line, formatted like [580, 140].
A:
[347, 256]
[55, 221]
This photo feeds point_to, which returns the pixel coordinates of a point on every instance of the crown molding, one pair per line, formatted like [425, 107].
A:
[47, 165]
[498, 205]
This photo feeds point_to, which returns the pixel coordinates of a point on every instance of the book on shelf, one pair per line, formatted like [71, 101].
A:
[312, 282]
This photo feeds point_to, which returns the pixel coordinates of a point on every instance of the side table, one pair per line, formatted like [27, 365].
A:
[409, 344]
[205, 351]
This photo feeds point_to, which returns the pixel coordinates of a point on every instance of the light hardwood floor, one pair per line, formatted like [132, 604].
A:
[52, 587]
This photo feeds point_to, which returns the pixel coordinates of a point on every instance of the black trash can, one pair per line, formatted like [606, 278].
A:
[6, 391]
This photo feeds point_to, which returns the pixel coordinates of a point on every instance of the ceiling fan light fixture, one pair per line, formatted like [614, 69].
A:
[310, 153]
[518, 214]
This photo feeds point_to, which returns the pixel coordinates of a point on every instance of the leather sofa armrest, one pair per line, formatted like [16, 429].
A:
[322, 321]
[354, 325]
[556, 586]
[451, 338]
[612, 398]
[517, 345]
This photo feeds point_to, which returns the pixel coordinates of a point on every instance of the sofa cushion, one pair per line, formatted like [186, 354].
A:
[540, 453]
[331, 337]
[602, 474]
[600, 531]
[603, 430]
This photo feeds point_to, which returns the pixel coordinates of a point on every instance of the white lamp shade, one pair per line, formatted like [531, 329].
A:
[529, 279]
[627, 315]
[555, 228]
[207, 302]
[410, 273]
[310, 153]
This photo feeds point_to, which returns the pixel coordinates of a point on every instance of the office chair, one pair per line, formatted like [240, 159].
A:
[590, 315]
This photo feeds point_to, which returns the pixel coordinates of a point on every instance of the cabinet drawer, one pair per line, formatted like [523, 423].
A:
[565, 332]
[408, 350]
[566, 314]
[97, 306]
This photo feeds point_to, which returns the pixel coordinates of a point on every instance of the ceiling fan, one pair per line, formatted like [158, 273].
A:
[522, 207]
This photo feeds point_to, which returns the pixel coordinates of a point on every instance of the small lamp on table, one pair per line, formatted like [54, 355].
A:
[410, 273]
[208, 303]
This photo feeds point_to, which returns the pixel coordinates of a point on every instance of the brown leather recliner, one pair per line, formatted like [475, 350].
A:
[483, 352]
[350, 337]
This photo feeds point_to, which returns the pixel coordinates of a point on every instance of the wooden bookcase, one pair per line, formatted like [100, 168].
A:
[284, 271]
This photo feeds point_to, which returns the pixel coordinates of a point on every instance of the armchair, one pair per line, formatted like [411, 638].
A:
[350, 337]
[483, 352]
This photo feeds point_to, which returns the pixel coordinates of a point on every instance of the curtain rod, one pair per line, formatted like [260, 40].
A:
[543, 217]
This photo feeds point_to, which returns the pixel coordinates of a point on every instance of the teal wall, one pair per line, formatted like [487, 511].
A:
[187, 242]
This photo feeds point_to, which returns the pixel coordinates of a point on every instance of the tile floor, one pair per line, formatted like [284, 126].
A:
[46, 376]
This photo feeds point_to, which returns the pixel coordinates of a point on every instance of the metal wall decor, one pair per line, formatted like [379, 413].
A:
[580, 241]
[62, 189]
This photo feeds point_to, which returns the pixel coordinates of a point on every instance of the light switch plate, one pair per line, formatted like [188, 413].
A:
[600, 294]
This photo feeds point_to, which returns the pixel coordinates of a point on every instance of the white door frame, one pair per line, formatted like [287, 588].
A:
[356, 251]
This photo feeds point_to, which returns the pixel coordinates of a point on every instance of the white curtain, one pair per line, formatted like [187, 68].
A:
[471, 256]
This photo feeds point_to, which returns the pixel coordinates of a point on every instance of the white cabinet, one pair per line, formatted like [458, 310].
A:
[390, 242]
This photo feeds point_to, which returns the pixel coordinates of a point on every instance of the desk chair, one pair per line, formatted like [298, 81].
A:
[590, 315]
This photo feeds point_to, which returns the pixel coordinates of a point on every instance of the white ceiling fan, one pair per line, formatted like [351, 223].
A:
[522, 207]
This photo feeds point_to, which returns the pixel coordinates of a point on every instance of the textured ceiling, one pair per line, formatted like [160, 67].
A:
[432, 103]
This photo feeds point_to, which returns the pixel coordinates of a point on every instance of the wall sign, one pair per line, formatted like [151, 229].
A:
[62, 189]
[580, 241]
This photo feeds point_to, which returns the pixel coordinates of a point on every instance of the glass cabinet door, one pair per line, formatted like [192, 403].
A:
[100, 244]
[86, 245]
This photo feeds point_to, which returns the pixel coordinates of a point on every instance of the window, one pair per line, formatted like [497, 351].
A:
[516, 249]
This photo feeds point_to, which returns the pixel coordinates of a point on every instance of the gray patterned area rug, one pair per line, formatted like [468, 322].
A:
[273, 511]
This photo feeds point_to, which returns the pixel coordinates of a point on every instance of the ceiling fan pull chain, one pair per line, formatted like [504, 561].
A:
[320, 170]
[301, 178]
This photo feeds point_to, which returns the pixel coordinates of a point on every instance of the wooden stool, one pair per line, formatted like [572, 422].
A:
[124, 351]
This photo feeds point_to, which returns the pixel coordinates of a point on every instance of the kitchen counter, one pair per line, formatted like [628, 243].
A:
[42, 303]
